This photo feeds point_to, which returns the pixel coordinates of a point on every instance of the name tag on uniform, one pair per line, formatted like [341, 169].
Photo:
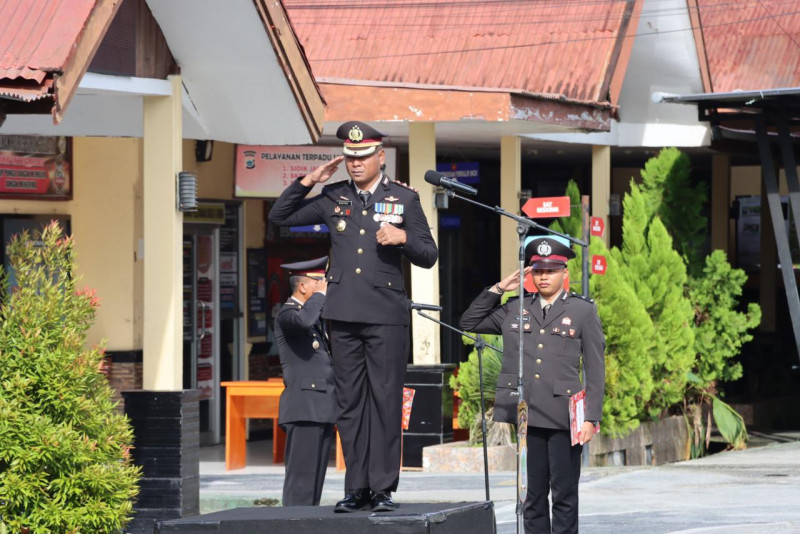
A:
[526, 323]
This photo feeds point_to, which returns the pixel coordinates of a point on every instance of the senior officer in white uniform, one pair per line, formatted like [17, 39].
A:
[375, 224]
[560, 329]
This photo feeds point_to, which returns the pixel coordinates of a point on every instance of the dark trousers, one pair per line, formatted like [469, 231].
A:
[308, 449]
[369, 363]
[553, 466]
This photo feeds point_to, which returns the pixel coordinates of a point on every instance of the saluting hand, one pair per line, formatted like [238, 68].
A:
[389, 234]
[322, 286]
[322, 173]
[511, 282]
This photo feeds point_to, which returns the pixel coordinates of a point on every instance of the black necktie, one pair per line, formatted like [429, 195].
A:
[364, 197]
[545, 309]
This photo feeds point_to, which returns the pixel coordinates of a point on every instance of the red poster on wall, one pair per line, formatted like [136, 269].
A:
[35, 167]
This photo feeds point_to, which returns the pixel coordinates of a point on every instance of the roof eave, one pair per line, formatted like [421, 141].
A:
[295, 64]
[66, 82]
[448, 104]
[50, 90]
[726, 97]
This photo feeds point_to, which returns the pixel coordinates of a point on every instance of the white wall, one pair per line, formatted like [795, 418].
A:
[663, 59]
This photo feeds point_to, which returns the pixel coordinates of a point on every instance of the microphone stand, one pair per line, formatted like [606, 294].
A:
[480, 344]
[523, 225]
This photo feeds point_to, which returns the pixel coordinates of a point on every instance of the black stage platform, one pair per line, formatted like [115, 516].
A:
[409, 518]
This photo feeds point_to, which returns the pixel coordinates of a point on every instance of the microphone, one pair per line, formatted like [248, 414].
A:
[433, 177]
[423, 307]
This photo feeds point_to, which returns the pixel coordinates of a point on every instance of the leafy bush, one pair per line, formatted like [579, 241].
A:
[669, 194]
[669, 315]
[64, 450]
[658, 276]
[467, 382]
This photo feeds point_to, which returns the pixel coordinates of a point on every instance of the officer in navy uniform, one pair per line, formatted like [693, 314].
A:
[308, 403]
[559, 328]
[374, 223]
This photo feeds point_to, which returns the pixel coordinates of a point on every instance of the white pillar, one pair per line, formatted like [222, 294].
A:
[424, 282]
[163, 229]
[601, 185]
[510, 186]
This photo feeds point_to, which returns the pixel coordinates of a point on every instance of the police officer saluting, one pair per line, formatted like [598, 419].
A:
[559, 328]
[375, 223]
[308, 404]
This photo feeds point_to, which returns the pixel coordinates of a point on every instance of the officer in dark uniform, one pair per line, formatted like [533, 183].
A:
[374, 223]
[308, 403]
[559, 328]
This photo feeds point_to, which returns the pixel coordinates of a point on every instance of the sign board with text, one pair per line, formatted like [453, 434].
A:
[597, 226]
[35, 167]
[599, 264]
[265, 171]
[542, 207]
[466, 172]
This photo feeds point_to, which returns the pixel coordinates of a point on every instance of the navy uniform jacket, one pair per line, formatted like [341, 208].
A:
[552, 353]
[365, 279]
[307, 371]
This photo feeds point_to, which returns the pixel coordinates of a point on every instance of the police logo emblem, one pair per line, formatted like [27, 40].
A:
[544, 248]
[355, 134]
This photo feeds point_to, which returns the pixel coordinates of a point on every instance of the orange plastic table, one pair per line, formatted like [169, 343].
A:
[256, 399]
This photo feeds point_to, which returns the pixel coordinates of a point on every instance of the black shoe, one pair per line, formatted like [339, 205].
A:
[382, 502]
[355, 500]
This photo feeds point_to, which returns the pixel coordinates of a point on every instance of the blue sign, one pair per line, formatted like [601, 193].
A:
[449, 222]
[465, 172]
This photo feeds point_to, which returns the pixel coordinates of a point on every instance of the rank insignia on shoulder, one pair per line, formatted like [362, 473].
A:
[405, 185]
[587, 299]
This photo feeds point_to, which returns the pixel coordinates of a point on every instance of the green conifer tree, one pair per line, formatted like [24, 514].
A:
[629, 344]
[64, 450]
[628, 329]
[657, 274]
[666, 184]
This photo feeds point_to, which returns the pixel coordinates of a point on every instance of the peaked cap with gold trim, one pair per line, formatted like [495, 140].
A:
[360, 139]
[312, 268]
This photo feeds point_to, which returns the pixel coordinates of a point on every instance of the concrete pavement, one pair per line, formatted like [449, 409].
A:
[751, 491]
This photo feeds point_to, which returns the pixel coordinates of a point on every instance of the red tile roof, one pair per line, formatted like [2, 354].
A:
[42, 39]
[750, 45]
[567, 49]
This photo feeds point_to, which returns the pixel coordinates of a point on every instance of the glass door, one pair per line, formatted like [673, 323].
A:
[201, 325]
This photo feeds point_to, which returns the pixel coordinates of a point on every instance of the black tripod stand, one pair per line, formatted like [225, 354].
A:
[480, 344]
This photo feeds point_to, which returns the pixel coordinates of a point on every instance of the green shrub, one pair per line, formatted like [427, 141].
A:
[667, 188]
[658, 276]
[630, 341]
[467, 382]
[64, 450]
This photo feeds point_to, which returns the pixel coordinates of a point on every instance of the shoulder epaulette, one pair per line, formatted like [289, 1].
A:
[327, 187]
[405, 185]
[587, 299]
